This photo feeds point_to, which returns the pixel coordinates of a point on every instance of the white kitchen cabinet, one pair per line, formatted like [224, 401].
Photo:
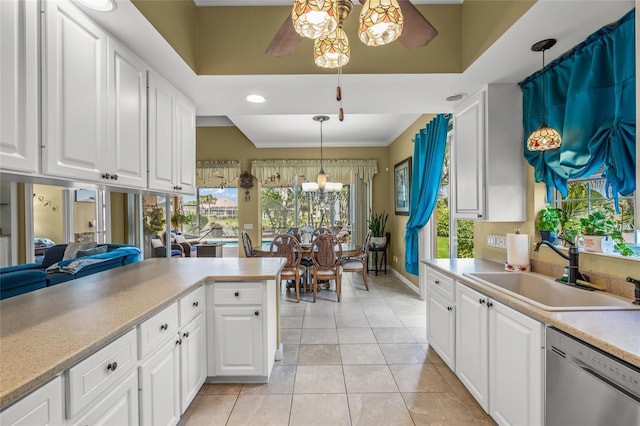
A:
[499, 358]
[19, 86]
[171, 138]
[159, 376]
[441, 316]
[488, 174]
[41, 407]
[193, 360]
[242, 330]
[94, 107]
[118, 407]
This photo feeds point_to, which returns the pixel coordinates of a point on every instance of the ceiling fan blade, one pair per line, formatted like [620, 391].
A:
[417, 31]
[285, 41]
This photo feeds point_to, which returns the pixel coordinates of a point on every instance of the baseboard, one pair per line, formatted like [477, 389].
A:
[406, 282]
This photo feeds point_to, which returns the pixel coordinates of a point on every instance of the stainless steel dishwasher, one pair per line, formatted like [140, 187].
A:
[585, 386]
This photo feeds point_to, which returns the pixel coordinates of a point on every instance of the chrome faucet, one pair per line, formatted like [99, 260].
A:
[572, 257]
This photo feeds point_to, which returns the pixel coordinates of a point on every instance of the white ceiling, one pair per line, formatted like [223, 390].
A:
[372, 118]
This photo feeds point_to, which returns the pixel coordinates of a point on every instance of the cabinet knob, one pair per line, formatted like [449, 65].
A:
[256, 313]
[178, 342]
[481, 301]
[479, 215]
[437, 282]
[236, 294]
[449, 308]
[489, 305]
[185, 334]
[106, 176]
[112, 366]
[164, 327]
[195, 304]
[114, 177]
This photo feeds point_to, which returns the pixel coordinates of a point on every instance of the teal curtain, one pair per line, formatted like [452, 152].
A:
[428, 156]
[591, 100]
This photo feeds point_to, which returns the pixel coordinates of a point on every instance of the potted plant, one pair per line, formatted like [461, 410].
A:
[378, 224]
[154, 220]
[178, 219]
[548, 223]
[598, 230]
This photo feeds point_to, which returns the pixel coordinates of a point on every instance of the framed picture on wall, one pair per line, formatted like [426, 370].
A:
[402, 186]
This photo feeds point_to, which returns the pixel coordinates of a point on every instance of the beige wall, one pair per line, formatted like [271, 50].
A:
[119, 217]
[48, 223]
[176, 20]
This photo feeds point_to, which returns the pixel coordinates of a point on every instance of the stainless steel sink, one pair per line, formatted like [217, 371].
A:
[550, 295]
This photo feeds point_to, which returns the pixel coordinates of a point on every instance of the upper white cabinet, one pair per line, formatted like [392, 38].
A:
[171, 138]
[19, 127]
[487, 161]
[94, 103]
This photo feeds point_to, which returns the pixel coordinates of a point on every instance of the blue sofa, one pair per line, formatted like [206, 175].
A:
[18, 279]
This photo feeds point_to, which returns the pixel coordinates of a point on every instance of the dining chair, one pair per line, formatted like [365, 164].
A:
[326, 252]
[288, 247]
[249, 251]
[359, 263]
[321, 231]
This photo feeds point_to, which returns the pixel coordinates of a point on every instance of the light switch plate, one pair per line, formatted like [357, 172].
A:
[248, 226]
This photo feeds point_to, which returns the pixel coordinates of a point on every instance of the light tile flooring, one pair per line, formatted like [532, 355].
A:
[363, 361]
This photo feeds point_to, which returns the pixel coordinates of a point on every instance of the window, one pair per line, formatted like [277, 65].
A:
[586, 196]
[212, 214]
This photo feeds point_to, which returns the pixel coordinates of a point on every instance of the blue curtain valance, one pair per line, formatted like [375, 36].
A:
[590, 98]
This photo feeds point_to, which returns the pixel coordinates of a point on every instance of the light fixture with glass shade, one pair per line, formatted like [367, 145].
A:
[332, 51]
[314, 19]
[322, 186]
[544, 138]
[381, 22]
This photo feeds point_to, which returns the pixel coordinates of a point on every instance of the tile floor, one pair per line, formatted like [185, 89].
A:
[363, 361]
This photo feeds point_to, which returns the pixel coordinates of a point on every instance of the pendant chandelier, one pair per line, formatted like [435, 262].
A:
[545, 138]
[322, 185]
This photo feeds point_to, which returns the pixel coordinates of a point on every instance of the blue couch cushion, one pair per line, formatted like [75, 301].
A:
[99, 267]
[21, 278]
[92, 251]
[58, 277]
[54, 254]
[22, 267]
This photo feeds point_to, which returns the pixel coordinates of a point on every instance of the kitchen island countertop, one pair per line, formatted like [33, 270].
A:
[44, 332]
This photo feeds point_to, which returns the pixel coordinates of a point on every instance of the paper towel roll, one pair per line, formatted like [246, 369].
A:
[518, 249]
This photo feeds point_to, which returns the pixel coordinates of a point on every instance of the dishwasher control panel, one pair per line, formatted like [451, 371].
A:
[609, 368]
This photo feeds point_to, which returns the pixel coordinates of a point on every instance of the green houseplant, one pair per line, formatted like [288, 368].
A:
[548, 222]
[599, 226]
[154, 220]
[378, 225]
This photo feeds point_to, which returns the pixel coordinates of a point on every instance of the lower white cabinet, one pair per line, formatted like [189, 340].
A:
[193, 360]
[441, 323]
[159, 376]
[118, 407]
[499, 358]
[41, 407]
[241, 330]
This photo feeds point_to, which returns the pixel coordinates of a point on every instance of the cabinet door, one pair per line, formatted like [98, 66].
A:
[41, 407]
[75, 111]
[19, 127]
[186, 146]
[193, 360]
[162, 134]
[441, 327]
[160, 386]
[127, 117]
[467, 153]
[238, 341]
[515, 367]
[471, 343]
[118, 407]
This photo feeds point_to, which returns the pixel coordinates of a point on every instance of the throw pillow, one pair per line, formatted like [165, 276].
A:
[155, 242]
[89, 252]
[180, 239]
[53, 255]
[72, 249]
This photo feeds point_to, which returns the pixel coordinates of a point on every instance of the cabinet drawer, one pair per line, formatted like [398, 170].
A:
[90, 378]
[191, 305]
[442, 284]
[237, 293]
[157, 329]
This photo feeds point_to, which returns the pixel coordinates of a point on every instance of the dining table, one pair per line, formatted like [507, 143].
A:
[348, 249]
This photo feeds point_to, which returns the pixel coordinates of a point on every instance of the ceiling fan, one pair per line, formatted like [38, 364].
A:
[416, 31]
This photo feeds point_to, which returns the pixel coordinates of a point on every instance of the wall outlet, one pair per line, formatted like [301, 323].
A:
[248, 226]
[499, 241]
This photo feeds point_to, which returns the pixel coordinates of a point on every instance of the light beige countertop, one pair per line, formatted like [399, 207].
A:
[44, 332]
[615, 332]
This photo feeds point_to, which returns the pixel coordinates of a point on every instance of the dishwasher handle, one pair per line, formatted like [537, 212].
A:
[587, 369]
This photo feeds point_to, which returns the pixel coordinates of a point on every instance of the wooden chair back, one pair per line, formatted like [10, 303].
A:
[288, 247]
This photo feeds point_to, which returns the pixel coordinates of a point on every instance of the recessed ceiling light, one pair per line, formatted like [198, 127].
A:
[456, 97]
[100, 5]
[256, 99]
